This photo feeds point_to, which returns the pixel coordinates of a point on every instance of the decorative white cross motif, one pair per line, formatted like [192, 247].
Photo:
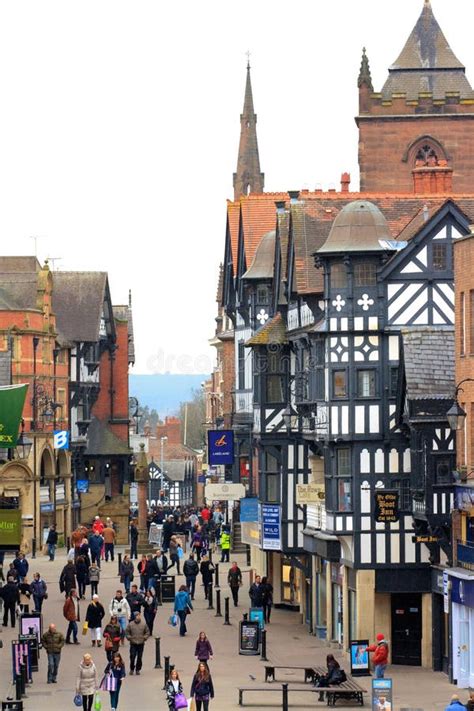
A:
[365, 302]
[338, 302]
[262, 316]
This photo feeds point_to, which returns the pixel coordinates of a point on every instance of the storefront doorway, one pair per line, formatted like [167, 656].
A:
[406, 629]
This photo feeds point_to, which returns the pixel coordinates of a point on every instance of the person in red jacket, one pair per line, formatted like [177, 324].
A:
[98, 525]
[380, 658]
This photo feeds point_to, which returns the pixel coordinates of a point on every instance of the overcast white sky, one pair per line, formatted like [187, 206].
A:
[119, 129]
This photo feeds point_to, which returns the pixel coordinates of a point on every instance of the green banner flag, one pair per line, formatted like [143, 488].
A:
[12, 400]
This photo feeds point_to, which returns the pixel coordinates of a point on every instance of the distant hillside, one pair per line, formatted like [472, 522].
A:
[164, 392]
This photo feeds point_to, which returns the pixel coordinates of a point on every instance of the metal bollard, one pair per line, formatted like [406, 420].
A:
[159, 592]
[24, 679]
[33, 548]
[166, 671]
[119, 558]
[284, 688]
[263, 656]
[157, 653]
[218, 604]
[18, 687]
[68, 543]
[226, 611]
[245, 617]
[210, 554]
[247, 554]
[210, 597]
[216, 580]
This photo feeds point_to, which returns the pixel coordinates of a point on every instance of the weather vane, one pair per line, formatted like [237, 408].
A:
[248, 58]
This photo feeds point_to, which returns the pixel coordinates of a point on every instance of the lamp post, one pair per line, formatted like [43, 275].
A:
[162, 472]
[456, 416]
[141, 477]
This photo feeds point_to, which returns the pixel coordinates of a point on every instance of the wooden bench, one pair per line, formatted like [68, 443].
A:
[270, 671]
[349, 689]
[280, 689]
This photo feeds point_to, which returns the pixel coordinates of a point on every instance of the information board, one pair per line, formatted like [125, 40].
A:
[359, 657]
[33, 643]
[382, 695]
[270, 527]
[31, 623]
[386, 506]
[249, 638]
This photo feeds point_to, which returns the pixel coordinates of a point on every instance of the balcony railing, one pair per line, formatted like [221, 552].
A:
[465, 554]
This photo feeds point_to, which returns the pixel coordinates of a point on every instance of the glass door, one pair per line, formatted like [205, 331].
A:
[463, 647]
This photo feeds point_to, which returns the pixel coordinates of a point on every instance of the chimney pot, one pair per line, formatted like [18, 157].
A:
[345, 182]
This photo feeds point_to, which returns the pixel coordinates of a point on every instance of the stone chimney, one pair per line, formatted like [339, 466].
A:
[345, 182]
[171, 429]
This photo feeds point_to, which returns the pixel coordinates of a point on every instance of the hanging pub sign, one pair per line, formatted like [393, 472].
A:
[386, 506]
[220, 447]
[249, 638]
[12, 400]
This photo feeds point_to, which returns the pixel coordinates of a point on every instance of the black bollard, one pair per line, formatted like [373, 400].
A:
[216, 581]
[218, 604]
[209, 597]
[210, 554]
[247, 555]
[24, 679]
[119, 558]
[18, 687]
[157, 653]
[284, 688]
[263, 656]
[167, 671]
[33, 549]
[245, 617]
[68, 543]
[158, 591]
[226, 611]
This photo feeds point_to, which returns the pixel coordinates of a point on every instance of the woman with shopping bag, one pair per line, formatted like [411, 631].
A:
[174, 692]
[112, 679]
[202, 689]
[86, 682]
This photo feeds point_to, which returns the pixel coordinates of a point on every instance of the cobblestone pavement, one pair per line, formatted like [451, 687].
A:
[288, 642]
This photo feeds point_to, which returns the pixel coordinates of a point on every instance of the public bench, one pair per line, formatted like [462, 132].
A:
[270, 671]
[284, 690]
[348, 690]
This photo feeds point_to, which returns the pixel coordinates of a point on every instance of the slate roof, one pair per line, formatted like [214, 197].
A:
[78, 299]
[428, 355]
[427, 64]
[101, 441]
[274, 331]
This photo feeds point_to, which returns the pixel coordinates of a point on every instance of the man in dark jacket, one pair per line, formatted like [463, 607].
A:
[11, 598]
[137, 633]
[234, 579]
[256, 591]
[67, 579]
[136, 601]
[21, 566]
[190, 571]
[158, 567]
[133, 540]
[52, 541]
[53, 642]
[96, 541]
[169, 527]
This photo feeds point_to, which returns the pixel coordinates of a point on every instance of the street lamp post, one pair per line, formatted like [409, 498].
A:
[456, 415]
[162, 472]
[141, 477]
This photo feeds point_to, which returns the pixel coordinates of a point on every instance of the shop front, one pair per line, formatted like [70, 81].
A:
[337, 621]
[462, 611]
[325, 549]
[440, 606]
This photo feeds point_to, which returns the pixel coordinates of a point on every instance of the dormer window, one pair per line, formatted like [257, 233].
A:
[262, 295]
[338, 276]
[440, 256]
[365, 274]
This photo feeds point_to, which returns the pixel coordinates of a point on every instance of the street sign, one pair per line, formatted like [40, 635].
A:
[61, 439]
[382, 695]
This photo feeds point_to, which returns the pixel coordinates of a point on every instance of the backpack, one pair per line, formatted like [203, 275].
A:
[338, 676]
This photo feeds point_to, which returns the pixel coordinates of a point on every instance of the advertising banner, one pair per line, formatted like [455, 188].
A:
[382, 695]
[310, 494]
[10, 529]
[220, 447]
[359, 657]
[249, 510]
[249, 638]
[12, 400]
[270, 527]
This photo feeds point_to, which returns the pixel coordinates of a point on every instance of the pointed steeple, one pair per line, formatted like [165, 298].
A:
[427, 63]
[364, 73]
[248, 178]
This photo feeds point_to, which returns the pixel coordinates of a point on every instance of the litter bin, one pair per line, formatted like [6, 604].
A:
[167, 583]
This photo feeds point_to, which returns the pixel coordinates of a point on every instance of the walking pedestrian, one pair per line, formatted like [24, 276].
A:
[380, 658]
[173, 688]
[234, 580]
[207, 571]
[94, 615]
[121, 609]
[21, 566]
[108, 535]
[81, 576]
[72, 615]
[197, 543]
[182, 607]
[93, 574]
[255, 592]
[225, 544]
[191, 570]
[117, 668]
[96, 541]
[136, 601]
[203, 651]
[86, 681]
[25, 595]
[169, 527]
[98, 525]
[67, 579]
[133, 540]
[174, 553]
[39, 590]
[158, 567]
[112, 637]
[202, 687]
[267, 599]
[126, 572]
[150, 606]
[470, 702]
[53, 642]
[142, 569]
[11, 598]
[455, 704]
[52, 541]
[137, 633]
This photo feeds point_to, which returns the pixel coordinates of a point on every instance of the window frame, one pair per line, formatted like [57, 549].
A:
[373, 373]
[333, 384]
[436, 245]
[335, 280]
[365, 274]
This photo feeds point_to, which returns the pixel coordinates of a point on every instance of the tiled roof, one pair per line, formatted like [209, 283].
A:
[101, 441]
[273, 332]
[258, 218]
[429, 362]
[78, 299]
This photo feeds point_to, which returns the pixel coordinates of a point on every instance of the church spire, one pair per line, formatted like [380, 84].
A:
[248, 178]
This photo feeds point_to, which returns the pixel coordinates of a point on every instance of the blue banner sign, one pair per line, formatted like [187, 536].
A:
[249, 510]
[220, 447]
[61, 439]
[270, 527]
[382, 690]
[462, 591]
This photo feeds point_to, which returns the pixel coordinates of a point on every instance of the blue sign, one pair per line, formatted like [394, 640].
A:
[462, 591]
[256, 615]
[270, 527]
[220, 447]
[82, 486]
[382, 690]
[61, 439]
[249, 510]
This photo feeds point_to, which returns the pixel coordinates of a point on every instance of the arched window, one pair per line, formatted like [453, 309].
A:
[426, 152]
[426, 156]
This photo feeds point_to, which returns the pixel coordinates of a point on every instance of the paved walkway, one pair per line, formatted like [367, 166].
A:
[288, 642]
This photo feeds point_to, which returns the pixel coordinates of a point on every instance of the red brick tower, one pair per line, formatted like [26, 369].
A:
[248, 178]
[416, 134]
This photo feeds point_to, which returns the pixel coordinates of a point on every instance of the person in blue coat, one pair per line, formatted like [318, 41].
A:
[455, 704]
[182, 607]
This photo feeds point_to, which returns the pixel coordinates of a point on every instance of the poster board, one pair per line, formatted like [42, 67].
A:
[31, 623]
[382, 695]
[249, 638]
[256, 615]
[360, 665]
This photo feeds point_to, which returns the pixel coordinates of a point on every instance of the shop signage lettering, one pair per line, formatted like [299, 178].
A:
[386, 506]
[12, 400]
[382, 690]
[10, 529]
[425, 539]
[270, 527]
[310, 494]
[220, 447]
